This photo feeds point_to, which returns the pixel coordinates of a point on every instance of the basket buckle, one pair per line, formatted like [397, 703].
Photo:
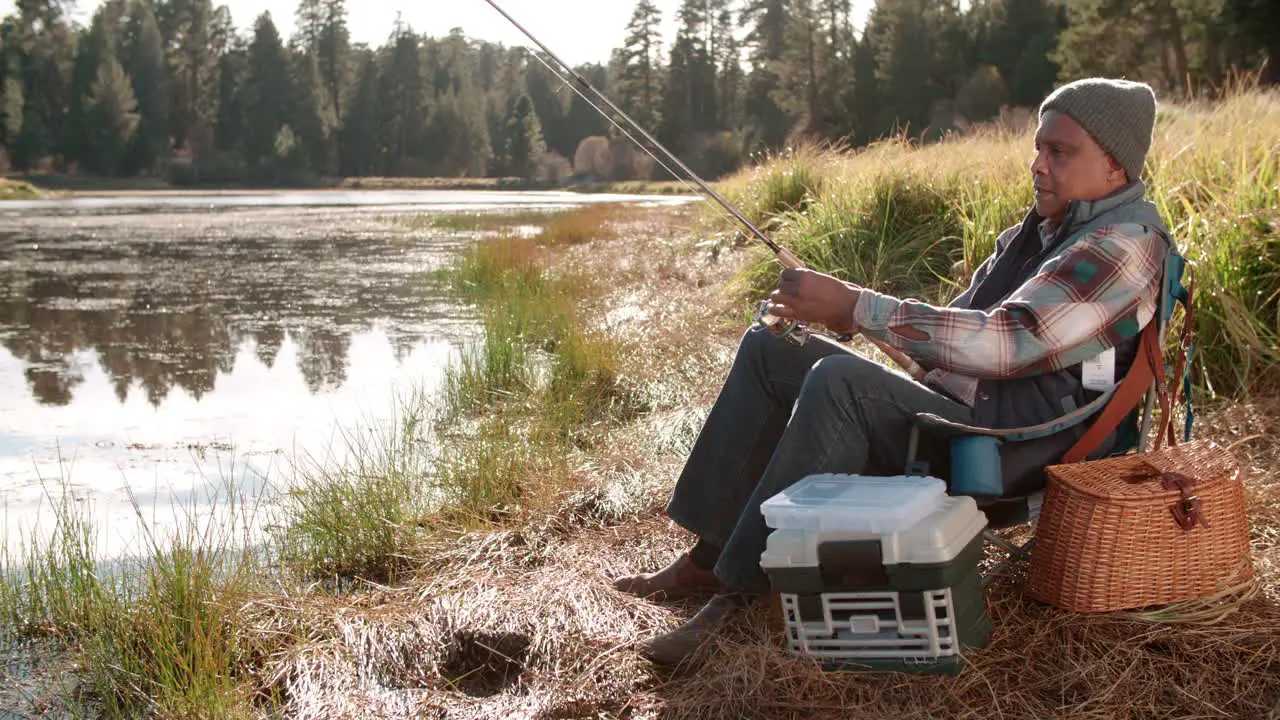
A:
[1187, 512]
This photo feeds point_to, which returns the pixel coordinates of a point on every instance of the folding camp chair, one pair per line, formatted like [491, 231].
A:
[975, 452]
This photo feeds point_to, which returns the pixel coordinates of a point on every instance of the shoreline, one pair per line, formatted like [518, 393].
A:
[28, 187]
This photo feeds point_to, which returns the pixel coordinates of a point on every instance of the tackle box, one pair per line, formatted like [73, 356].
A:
[877, 573]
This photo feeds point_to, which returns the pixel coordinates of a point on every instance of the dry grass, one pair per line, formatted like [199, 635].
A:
[519, 622]
[592, 222]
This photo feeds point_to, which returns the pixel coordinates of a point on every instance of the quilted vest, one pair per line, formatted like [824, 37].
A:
[1031, 400]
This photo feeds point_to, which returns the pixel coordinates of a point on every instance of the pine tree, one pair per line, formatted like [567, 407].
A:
[401, 101]
[919, 61]
[360, 153]
[148, 70]
[333, 50]
[101, 39]
[229, 122]
[1141, 39]
[508, 83]
[864, 100]
[458, 133]
[1018, 38]
[322, 31]
[834, 114]
[48, 50]
[637, 77]
[582, 120]
[550, 106]
[801, 68]
[1256, 23]
[726, 54]
[308, 18]
[766, 40]
[196, 35]
[688, 107]
[524, 143]
[457, 139]
[266, 91]
[11, 100]
[310, 116]
[112, 119]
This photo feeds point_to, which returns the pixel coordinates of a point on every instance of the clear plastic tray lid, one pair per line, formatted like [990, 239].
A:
[854, 503]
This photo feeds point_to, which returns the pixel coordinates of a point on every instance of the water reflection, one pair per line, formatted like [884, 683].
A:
[150, 357]
[151, 352]
[168, 311]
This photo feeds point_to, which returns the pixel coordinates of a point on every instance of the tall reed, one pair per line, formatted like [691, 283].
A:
[538, 381]
[156, 632]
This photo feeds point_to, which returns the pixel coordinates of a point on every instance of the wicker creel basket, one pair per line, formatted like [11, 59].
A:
[1141, 530]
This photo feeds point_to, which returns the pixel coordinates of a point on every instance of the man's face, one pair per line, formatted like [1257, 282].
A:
[1070, 165]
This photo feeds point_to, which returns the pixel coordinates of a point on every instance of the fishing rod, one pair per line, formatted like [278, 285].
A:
[792, 329]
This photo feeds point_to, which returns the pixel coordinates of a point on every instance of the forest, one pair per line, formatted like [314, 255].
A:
[170, 89]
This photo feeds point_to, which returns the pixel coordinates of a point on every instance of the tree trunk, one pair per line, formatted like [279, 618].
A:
[1172, 30]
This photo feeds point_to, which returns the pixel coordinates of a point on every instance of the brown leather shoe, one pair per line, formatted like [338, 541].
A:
[680, 579]
[676, 646]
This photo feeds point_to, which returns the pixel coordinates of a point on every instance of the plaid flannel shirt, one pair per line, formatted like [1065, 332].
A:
[1100, 291]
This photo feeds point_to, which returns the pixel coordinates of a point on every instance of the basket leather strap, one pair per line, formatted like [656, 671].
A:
[1187, 512]
[1147, 366]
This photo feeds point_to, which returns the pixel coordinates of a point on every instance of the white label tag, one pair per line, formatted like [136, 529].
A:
[1099, 374]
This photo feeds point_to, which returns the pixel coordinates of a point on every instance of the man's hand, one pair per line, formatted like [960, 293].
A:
[812, 297]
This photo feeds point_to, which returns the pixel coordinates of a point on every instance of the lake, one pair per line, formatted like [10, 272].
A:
[154, 347]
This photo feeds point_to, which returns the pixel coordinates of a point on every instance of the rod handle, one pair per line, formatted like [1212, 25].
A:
[788, 259]
[911, 367]
[904, 361]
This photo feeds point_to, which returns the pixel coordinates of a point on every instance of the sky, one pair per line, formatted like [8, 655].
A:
[578, 31]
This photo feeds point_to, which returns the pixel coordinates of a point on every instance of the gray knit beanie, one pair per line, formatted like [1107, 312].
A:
[1119, 114]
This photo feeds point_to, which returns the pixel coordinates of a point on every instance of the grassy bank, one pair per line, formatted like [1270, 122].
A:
[917, 222]
[17, 190]
[458, 566]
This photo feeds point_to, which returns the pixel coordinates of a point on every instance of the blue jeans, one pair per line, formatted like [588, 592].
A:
[786, 412]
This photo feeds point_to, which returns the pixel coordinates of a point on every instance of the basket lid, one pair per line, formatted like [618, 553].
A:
[1123, 477]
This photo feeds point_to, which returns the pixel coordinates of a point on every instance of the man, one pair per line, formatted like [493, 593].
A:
[1076, 280]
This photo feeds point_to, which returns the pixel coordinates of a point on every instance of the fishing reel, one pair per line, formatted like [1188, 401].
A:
[793, 330]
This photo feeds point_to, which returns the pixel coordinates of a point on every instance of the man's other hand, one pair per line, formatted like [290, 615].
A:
[813, 297]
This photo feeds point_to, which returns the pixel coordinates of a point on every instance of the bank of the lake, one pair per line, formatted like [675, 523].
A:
[33, 185]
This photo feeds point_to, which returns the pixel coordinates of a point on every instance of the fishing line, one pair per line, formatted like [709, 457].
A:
[572, 86]
[693, 189]
[792, 329]
[784, 255]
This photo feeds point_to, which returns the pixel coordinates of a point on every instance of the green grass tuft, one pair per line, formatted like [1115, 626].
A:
[18, 190]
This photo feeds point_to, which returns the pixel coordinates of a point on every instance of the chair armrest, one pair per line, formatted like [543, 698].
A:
[950, 429]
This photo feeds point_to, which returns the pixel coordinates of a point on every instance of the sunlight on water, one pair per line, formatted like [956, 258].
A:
[172, 455]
